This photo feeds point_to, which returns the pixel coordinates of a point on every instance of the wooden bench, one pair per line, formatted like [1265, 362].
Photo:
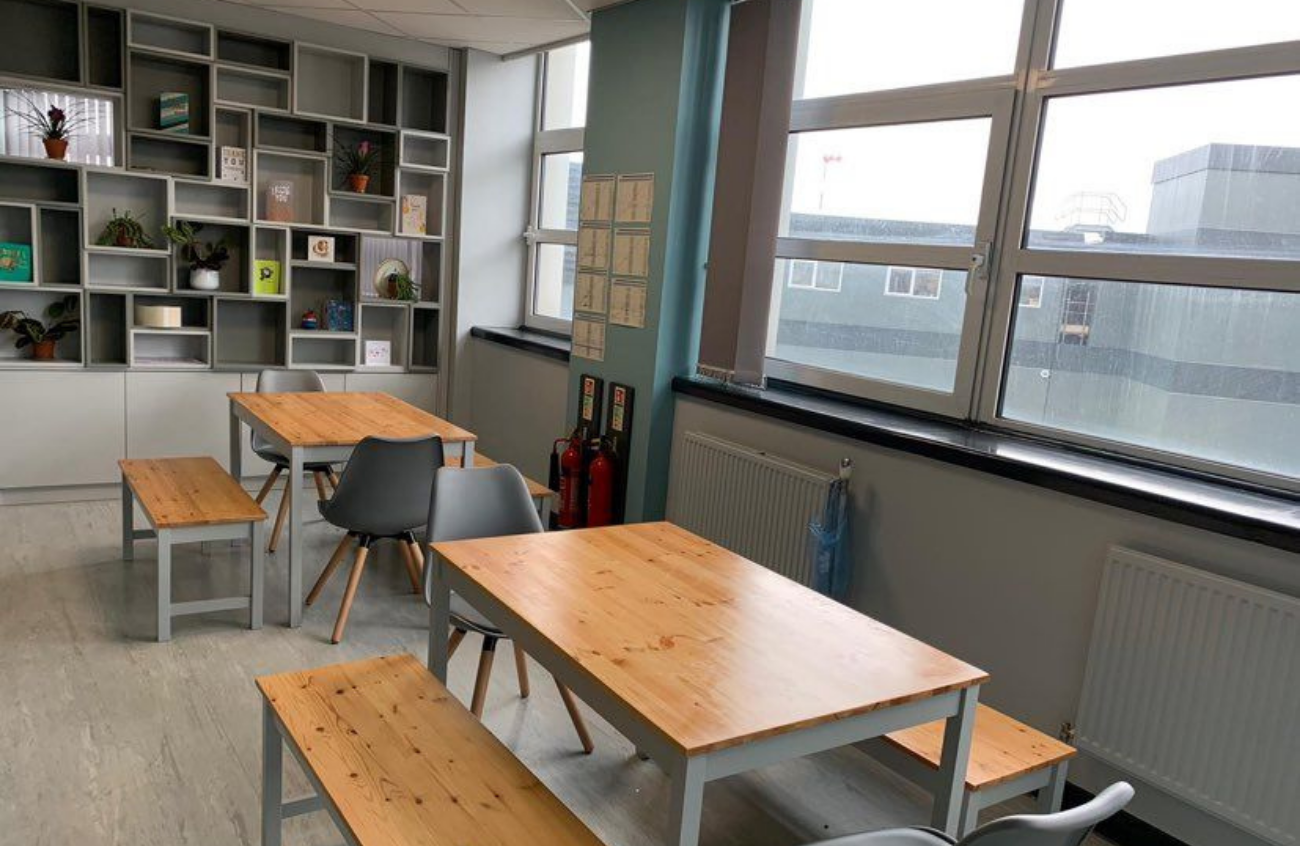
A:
[395, 758]
[189, 500]
[1007, 758]
[541, 494]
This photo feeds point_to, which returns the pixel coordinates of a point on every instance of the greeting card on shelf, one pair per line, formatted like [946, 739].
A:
[415, 214]
[234, 164]
[379, 353]
[279, 201]
[320, 248]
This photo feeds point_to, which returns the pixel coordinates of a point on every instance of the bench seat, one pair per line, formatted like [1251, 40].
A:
[536, 490]
[395, 758]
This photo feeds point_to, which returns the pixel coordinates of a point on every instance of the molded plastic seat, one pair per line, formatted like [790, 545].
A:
[286, 382]
[892, 837]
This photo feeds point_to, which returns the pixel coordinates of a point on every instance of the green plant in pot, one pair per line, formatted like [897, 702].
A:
[402, 287]
[43, 338]
[124, 230]
[54, 125]
[358, 163]
[206, 258]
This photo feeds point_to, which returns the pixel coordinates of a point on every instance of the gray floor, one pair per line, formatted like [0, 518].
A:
[109, 737]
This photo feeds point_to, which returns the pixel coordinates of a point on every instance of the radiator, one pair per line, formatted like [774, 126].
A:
[750, 502]
[1193, 685]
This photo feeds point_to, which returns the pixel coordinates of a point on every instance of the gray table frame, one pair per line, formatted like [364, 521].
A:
[299, 457]
[252, 530]
[689, 773]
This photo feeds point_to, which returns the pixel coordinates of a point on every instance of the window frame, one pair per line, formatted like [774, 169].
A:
[816, 277]
[997, 264]
[546, 142]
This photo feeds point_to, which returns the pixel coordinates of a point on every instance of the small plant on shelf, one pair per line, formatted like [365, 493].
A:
[124, 230]
[43, 338]
[55, 125]
[402, 287]
[206, 258]
[358, 163]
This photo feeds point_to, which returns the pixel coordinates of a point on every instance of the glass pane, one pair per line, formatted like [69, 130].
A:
[564, 103]
[915, 183]
[1096, 31]
[854, 46]
[553, 290]
[870, 326]
[1206, 372]
[560, 189]
[1208, 169]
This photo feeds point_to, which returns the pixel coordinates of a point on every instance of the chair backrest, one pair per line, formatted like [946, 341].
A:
[482, 502]
[1064, 828]
[285, 382]
[385, 487]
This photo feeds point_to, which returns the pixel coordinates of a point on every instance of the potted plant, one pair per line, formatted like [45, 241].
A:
[206, 258]
[123, 230]
[40, 337]
[358, 162]
[54, 125]
[401, 287]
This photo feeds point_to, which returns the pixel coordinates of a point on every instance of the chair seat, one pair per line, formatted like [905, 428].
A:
[466, 616]
[890, 837]
[283, 462]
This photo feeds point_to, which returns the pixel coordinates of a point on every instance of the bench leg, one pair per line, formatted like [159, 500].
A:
[970, 813]
[164, 585]
[272, 777]
[257, 531]
[687, 802]
[1051, 794]
[128, 523]
[950, 784]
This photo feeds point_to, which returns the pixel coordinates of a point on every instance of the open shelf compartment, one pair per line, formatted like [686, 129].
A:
[145, 197]
[254, 51]
[385, 323]
[329, 83]
[209, 200]
[103, 43]
[303, 176]
[152, 74]
[234, 277]
[252, 88]
[170, 349]
[429, 187]
[250, 334]
[43, 39]
[169, 35]
[35, 302]
[424, 99]
[424, 338]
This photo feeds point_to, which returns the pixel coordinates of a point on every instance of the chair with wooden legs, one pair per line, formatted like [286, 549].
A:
[482, 503]
[288, 382]
[383, 494]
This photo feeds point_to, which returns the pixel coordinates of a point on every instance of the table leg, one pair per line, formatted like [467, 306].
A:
[272, 777]
[293, 490]
[258, 540]
[950, 782]
[128, 522]
[236, 446]
[467, 454]
[687, 802]
[439, 618]
[1051, 794]
[164, 585]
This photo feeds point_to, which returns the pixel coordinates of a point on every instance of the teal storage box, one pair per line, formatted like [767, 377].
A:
[15, 262]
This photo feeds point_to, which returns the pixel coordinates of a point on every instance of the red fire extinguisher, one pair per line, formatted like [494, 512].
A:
[571, 477]
[600, 486]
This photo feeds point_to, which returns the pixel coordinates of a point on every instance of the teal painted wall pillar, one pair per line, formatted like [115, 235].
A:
[653, 107]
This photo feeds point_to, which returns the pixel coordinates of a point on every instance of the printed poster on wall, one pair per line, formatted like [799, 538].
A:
[593, 248]
[634, 198]
[632, 253]
[590, 294]
[589, 337]
[627, 303]
[596, 204]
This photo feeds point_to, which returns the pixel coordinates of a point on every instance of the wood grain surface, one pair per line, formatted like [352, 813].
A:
[180, 492]
[340, 418]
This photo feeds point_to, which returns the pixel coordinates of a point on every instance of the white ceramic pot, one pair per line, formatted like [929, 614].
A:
[204, 279]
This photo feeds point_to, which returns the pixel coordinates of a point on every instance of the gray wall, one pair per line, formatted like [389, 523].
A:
[1000, 573]
[518, 405]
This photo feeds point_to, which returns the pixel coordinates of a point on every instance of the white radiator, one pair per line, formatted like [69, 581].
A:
[1193, 685]
[750, 502]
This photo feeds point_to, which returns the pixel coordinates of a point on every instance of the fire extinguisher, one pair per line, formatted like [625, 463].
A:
[572, 464]
[600, 486]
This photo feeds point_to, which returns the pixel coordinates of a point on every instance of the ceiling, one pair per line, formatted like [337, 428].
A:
[496, 26]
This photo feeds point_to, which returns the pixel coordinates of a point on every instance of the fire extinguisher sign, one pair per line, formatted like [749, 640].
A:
[592, 402]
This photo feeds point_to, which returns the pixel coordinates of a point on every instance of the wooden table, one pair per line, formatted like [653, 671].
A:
[326, 427]
[711, 664]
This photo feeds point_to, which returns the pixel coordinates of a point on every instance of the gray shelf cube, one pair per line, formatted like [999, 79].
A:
[40, 182]
[361, 213]
[322, 350]
[424, 338]
[128, 270]
[43, 39]
[424, 99]
[169, 349]
[34, 302]
[254, 51]
[234, 277]
[105, 324]
[433, 187]
[59, 234]
[296, 135]
[382, 100]
[214, 201]
[145, 196]
[152, 74]
[157, 152]
[307, 174]
[252, 88]
[169, 35]
[329, 83]
[389, 322]
[271, 244]
[103, 47]
[250, 333]
[426, 150]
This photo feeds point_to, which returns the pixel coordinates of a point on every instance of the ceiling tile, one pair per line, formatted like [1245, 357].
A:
[280, 5]
[487, 29]
[353, 18]
[432, 7]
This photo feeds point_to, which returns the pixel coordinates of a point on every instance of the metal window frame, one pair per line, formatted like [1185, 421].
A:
[546, 142]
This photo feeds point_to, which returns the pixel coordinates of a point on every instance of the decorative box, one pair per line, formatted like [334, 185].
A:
[279, 201]
[415, 214]
[158, 317]
[266, 277]
[174, 112]
[338, 315]
[15, 262]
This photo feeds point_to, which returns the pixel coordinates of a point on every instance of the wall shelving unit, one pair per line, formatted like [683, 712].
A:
[287, 104]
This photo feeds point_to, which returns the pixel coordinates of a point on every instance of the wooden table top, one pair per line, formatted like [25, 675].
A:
[535, 489]
[177, 493]
[711, 649]
[339, 418]
[405, 762]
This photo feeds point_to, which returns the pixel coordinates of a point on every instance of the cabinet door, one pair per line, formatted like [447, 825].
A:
[175, 414]
[61, 428]
[419, 389]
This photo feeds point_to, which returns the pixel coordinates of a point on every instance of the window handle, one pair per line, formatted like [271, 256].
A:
[979, 265]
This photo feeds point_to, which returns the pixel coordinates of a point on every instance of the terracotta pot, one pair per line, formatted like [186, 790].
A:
[357, 182]
[56, 148]
[123, 240]
[43, 350]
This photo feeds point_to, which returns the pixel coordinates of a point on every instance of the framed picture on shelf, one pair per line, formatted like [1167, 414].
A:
[266, 277]
[379, 353]
[15, 262]
[234, 164]
[320, 248]
[415, 214]
[279, 201]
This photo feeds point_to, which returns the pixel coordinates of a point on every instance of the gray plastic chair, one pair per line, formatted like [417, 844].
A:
[287, 382]
[383, 494]
[483, 503]
[1064, 828]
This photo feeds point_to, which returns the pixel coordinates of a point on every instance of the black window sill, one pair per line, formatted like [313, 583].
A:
[529, 340]
[1204, 502]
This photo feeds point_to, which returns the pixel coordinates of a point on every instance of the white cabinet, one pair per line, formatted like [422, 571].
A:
[171, 414]
[418, 389]
[61, 428]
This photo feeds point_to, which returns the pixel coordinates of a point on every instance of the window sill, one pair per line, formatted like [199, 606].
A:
[1215, 505]
[528, 340]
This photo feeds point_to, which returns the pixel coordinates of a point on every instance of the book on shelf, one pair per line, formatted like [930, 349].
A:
[15, 262]
[174, 112]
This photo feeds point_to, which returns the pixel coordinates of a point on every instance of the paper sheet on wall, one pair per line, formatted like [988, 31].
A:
[627, 301]
[589, 337]
[593, 248]
[635, 198]
[590, 294]
[631, 253]
[597, 199]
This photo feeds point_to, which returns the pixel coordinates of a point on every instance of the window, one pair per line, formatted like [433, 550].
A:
[557, 177]
[1046, 235]
[815, 276]
[89, 118]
